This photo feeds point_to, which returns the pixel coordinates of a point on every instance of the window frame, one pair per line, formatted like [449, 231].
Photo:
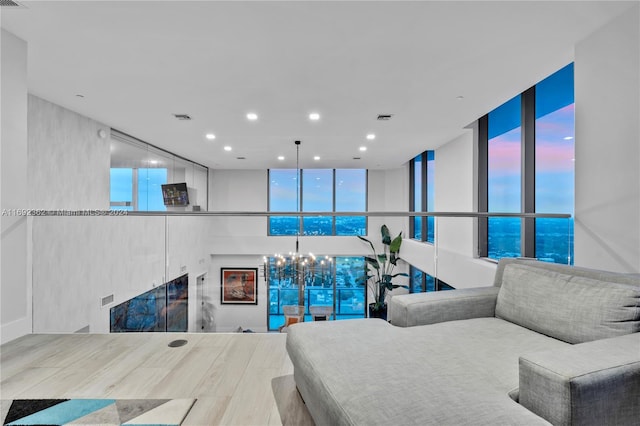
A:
[528, 174]
[424, 222]
[300, 188]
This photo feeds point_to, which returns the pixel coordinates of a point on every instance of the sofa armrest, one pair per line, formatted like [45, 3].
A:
[594, 383]
[408, 310]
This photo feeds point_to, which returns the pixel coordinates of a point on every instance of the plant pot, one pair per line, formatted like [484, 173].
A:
[378, 313]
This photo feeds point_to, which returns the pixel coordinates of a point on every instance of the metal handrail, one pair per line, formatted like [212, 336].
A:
[369, 214]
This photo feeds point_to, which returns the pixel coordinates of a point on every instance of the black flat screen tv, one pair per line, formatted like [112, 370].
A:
[175, 194]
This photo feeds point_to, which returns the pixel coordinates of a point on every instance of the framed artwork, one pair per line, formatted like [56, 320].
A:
[239, 286]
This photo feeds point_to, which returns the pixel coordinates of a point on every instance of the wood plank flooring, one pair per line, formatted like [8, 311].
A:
[237, 378]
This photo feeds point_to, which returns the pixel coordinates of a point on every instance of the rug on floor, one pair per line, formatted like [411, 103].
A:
[156, 412]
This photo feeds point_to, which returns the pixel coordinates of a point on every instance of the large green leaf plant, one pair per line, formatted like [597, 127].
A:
[380, 267]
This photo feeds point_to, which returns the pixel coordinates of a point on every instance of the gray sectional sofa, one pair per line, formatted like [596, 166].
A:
[546, 344]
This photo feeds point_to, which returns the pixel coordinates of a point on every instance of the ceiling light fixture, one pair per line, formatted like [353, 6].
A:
[281, 157]
[227, 148]
[371, 136]
[363, 148]
[314, 116]
[210, 136]
[316, 158]
[252, 116]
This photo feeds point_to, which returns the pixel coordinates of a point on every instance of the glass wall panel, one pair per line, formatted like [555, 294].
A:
[121, 189]
[149, 168]
[150, 183]
[555, 161]
[283, 197]
[504, 178]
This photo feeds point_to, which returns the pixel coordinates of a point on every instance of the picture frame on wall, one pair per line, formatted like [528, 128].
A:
[239, 286]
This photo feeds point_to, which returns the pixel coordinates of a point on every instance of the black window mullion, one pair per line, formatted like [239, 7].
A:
[483, 185]
[300, 172]
[423, 207]
[528, 135]
[333, 219]
[412, 196]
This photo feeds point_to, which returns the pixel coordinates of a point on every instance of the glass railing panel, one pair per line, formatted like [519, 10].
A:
[504, 237]
[554, 240]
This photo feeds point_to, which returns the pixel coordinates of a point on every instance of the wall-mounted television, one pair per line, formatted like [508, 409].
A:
[175, 194]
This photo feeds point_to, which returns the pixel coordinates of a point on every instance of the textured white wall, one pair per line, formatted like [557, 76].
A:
[79, 260]
[15, 289]
[607, 80]
[68, 162]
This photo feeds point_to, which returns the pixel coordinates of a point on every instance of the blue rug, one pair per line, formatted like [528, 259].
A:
[140, 412]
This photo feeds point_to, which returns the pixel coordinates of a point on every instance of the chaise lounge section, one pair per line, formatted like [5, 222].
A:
[545, 344]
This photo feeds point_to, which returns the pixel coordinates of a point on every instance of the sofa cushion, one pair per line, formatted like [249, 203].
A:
[574, 309]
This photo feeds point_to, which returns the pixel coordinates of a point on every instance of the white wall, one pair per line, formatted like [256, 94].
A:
[607, 83]
[80, 260]
[68, 162]
[15, 288]
[230, 317]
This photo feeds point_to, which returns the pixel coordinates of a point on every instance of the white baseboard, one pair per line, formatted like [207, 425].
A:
[15, 329]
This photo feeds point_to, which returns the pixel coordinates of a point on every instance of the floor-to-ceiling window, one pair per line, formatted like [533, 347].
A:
[320, 190]
[504, 176]
[555, 165]
[527, 166]
[420, 282]
[334, 282]
[422, 196]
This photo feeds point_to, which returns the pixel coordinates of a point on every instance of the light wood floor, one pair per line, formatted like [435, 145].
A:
[237, 378]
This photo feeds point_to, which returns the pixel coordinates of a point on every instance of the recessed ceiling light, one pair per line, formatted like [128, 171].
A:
[252, 116]
[153, 161]
[371, 136]
[210, 136]
[314, 116]
[316, 158]
[281, 157]
[227, 148]
[363, 148]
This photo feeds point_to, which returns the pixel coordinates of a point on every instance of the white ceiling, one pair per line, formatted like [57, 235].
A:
[138, 63]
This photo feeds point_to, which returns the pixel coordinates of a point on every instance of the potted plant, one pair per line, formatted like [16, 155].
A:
[380, 271]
